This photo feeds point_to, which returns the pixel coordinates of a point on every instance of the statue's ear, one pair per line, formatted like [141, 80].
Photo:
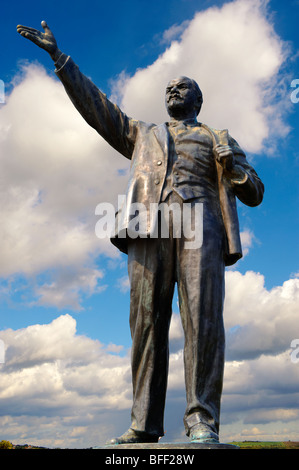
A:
[198, 104]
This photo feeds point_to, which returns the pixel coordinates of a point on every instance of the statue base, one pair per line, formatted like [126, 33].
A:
[169, 446]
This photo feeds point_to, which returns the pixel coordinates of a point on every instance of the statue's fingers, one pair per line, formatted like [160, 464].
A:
[45, 27]
[20, 28]
[28, 35]
[223, 147]
[223, 151]
[32, 37]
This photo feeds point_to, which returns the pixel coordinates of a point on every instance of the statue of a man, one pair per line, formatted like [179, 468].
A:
[179, 162]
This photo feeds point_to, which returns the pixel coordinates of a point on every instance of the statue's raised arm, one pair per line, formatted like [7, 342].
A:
[105, 117]
[44, 40]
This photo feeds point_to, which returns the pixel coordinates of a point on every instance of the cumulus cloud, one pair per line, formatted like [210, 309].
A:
[50, 371]
[123, 284]
[261, 392]
[52, 167]
[259, 321]
[247, 239]
[66, 383]
[174, 32]
[235, 55]
[261, 378]
[66, 290]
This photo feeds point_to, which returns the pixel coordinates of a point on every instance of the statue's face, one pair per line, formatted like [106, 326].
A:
[181, 97]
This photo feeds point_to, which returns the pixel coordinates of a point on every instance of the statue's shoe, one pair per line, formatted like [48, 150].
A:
[133, 437]
[202, 433]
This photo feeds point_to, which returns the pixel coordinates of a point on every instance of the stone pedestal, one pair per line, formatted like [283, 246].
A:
[177, 446]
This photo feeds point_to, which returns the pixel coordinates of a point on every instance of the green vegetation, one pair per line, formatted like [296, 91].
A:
[242, 445]
[6, 445]
[266, 445]
[9, 445]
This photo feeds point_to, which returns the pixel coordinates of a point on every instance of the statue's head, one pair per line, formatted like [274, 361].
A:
[183, 98]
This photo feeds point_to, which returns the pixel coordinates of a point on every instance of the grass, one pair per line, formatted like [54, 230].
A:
[267, 444]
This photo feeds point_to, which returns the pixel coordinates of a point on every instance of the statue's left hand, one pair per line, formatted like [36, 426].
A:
[44, 40]
[224, 156]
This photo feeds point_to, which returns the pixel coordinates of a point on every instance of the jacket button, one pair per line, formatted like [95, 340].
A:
[159, 162]
[157, 181]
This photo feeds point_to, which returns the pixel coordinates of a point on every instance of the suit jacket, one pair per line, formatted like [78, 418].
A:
[146, 145]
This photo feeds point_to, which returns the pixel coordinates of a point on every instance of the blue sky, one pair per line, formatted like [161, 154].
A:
[63, 291]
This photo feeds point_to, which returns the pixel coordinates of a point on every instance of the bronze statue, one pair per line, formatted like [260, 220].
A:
[181, 161]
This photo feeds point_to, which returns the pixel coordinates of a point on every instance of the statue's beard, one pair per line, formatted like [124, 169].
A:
[176, 107]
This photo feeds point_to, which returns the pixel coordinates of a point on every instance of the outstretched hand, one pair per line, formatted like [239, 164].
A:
[44, 40]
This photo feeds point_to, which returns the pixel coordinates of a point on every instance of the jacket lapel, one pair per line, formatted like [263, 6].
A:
[162, 136]
[227, 204]
[226, 196]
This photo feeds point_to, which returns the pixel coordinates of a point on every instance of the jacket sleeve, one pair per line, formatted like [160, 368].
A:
[249, 189]
[105, 117]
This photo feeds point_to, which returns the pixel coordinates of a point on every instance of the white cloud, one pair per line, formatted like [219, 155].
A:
[123, 284]
[247, 239]
[55, 375]
[262, 392]
[235, 55]
[52, 166]
[65, 290]
[176, 334]
[259, 321]
[69, 382]
[174, 32]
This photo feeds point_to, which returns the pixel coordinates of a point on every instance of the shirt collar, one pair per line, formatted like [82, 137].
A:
[187, 122]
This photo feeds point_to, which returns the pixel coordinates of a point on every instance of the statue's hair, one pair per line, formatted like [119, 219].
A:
[198, 91]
